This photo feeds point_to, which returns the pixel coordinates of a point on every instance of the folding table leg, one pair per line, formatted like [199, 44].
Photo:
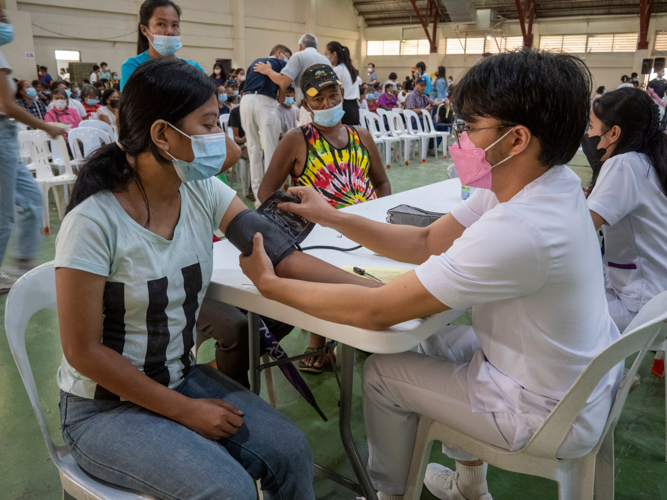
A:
[254, 349]
[347, 375]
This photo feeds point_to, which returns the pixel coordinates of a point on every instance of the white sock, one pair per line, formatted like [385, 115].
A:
[471, 480]
[384, 496]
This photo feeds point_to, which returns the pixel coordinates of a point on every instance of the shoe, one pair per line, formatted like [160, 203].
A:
[6, 283]
[20, 268]
[441, 482]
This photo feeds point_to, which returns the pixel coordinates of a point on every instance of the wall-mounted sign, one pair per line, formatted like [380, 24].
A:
[30, 55]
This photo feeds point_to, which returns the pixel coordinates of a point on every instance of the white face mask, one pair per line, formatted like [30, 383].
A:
[370, 70]
[216, 71]
[60, 104]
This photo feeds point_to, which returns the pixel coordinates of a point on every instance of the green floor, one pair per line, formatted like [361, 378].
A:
[27, 473]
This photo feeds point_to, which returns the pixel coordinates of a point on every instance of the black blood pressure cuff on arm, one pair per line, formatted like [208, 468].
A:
[278, 243]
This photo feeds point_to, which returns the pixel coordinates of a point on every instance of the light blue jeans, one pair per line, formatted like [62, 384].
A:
[18, 192]
[127, 445]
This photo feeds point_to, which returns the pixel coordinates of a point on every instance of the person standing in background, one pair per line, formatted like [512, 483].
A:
[18, 188]
[219, 75]
[372, 75]
[392, 80]
[104, 71]
[339, 55]
[95, 75]
[658, 84]
[421, 72]
[64, 75]
[441, 87]
[259, 113]
[44, 76]
[159, 36]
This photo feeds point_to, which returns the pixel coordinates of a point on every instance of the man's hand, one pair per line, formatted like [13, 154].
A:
[212, 418]
[263, 68]
[258, 267]
[313, 207]
[53, 130]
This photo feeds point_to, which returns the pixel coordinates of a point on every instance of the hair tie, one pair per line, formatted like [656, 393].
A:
[119, 145]
[655, 120]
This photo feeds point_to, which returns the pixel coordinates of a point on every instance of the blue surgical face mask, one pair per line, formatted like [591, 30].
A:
[91, 102]
[68, 92]
[236, 92]
[328, 117]
[289, 101]
[210, 152]
[31, 92]
[6, 33]
[166, 45]
[370, 97]
[47, 92]
[222, 97]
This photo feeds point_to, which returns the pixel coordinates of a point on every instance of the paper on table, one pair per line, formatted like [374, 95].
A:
[386, 274]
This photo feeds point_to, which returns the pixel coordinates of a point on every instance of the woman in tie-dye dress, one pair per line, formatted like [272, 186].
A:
[342, 163]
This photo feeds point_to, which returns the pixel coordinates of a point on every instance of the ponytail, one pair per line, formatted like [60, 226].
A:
[343, 54]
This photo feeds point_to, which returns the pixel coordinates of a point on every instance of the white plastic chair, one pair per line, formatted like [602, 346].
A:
[34, 291]
[397, 130]
[90, 138]
[362, 117]
[46, 180]
[381, 112]
[224, 119]
[241, 168]
[100, 125]
[373, 123]
[414, 127]
[429, 128]
[660, 346]
[576, 478]
[28, 138]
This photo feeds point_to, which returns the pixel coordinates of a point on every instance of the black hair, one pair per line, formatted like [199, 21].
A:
[547, 92]
[55, 83]
[371, 64]
[486, 54]
[43, 68]
[103, 64]
[393, 76]
[343, 54]
[19, 88]
[107, 93]
[145, 14]
[157, 90]
[633, 75]
[59, 92]
[441, 72]
[625, 78]
[600, 89]
[223, 73]
[34, 83]
[98, 84]
[95, 67]
[421, 66]
[278, 48]
[638, 117]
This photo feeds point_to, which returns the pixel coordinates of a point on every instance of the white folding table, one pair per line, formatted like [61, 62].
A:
[230, 285]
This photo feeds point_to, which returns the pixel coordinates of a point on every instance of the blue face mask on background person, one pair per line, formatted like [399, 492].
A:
[328, 117]
[166, 45]
[289, 101]
[236, 92]
[91, 102]
[370, 97]
[31, 92]
[222, 97]
[210, 153]
[47, 92]
[6, 33]
[68, 92]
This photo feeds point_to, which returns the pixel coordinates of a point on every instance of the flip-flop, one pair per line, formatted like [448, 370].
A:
[303, 367]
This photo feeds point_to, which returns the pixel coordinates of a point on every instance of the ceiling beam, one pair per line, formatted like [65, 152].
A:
[645, 8]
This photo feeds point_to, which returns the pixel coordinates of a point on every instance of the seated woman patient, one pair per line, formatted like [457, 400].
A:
[133, 262]
[521, 251]
[341, 162]
[627, 198]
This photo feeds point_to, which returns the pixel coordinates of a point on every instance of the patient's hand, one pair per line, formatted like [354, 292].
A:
[258, 267]
[313, 207]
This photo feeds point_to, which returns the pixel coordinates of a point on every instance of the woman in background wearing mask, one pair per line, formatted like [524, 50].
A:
[240, 75]
[18, 188]
[71, 101]
[628, 154]
[159, 36]
[219, 76]
[354, 175]
[91, 102]
[61, 112]
[108, 112]
[223, 107]
[26, 97]
[339, 55]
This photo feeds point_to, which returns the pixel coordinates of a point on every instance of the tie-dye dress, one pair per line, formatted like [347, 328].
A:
[339, 175]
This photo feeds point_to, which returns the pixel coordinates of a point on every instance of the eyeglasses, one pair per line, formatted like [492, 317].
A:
[461, 127]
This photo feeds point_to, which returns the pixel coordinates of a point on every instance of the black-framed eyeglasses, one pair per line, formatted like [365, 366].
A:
[461, 127]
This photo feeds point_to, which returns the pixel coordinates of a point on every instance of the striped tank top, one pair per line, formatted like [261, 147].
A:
[339, 175]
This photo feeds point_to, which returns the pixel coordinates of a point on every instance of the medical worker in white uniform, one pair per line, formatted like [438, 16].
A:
[627, 199]
[521, 251]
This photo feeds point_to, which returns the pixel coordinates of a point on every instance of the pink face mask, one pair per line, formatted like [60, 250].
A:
[471, 164]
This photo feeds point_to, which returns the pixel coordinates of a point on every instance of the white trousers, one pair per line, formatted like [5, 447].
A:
[618, 310]
[261, 123]
[434, 382]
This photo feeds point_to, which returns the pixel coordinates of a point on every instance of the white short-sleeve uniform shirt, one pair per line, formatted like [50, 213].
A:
[154, 286]
[628, 196]
[531, 269]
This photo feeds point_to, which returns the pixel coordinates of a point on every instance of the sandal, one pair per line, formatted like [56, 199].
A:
[303, 367]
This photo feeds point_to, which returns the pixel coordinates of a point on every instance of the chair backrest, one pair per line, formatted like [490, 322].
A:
[41, 163]
[374, 122]
[100, 125]
[637, 337]
[224, 119]
[37, 138]
[230, 132]
[362, 118]
[412, 121]
[381, 112]
[396, 125]
[59, 154]
[91, 139]
[34, 291]
[428, 121]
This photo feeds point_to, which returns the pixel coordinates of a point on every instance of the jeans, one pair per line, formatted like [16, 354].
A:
[18, 192]
[127, 445]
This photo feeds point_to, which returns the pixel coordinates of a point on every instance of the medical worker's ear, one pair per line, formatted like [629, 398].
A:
[521, 137]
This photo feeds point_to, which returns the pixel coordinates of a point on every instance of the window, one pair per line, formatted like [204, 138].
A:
[68, 55]
[625, 42]
[566, 43]
[501, 44]
[456, 46]
[475, 45]
[383, 47]
[600, 43]
[415, 47]
[660, 42]
[617, 42]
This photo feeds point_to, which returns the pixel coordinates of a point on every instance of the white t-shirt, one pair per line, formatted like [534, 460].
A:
[351, 90]
[392, 82]
[104, 110]
[72, 103]
[92, 77]
[287, 118]
[532, 271]
[5, 65]
[628, 196]
[154, 287]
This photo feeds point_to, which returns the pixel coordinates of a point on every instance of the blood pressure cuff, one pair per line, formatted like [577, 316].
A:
[277, 243]
[412, 216]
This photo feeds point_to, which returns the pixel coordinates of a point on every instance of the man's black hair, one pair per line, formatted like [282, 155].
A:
[547, 92]
[421, 66]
